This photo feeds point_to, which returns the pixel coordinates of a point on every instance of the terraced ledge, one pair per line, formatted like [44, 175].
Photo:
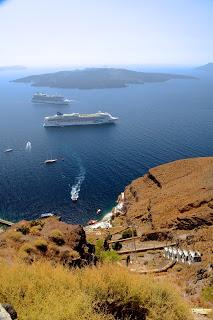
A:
[159, 246]
[194, 205]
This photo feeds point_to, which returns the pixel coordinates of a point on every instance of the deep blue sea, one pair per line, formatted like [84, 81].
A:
[158, 123]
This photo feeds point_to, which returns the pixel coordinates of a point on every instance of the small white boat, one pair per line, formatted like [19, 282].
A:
[46, 215]
[98, 211]
[50, 161]
[91, 222]
[8, 150]
[74, 197]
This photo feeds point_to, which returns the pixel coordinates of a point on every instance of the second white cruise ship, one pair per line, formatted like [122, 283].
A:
[77, 119]
[40, 97]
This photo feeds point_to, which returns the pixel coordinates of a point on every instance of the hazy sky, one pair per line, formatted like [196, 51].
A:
[90, 32]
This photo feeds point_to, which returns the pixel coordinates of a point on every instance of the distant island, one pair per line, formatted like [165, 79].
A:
[6, 68]
[206, 67]
[97, 78]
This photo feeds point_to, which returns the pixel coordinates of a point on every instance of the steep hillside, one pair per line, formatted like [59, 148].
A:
[48, 239]
[177, 195]
[173, 203]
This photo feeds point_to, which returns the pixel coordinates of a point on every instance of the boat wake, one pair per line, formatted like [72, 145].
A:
[76, 188]
[28, 146]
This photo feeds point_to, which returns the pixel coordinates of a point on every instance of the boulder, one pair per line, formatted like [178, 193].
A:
[12, 312]
[4, 315]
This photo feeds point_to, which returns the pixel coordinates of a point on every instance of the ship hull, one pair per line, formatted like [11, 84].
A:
[70, 124]
[52, 102]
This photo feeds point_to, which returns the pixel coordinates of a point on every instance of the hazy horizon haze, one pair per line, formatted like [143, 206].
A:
[94, 33]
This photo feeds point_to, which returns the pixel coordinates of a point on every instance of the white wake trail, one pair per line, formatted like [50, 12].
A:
[28, 146]
[76, 188]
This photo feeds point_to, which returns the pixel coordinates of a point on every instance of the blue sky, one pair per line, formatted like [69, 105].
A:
[106, 32]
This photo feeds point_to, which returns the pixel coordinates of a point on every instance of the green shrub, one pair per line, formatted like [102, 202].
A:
[129, 233]
[41, 245]
[109, 256]
[99, 248]
[57, 237]
[117, 246]
[207, 294]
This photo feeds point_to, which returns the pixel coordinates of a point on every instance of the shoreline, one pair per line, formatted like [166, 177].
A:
[105, 221]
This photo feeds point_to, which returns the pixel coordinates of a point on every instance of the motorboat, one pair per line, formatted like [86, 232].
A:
[74, 197]
[8, 150]
[50, 161]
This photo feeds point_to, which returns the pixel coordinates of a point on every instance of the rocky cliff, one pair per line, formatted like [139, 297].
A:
[173, 203]
[177, 195]
[48, 239]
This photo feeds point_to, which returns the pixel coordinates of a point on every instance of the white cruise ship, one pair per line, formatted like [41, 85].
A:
[77, 119]
[40, 97]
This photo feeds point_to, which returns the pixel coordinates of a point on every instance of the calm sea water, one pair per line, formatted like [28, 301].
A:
[158, 123]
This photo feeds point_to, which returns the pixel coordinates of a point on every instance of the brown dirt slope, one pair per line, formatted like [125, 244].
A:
[48, 239]
[174, 202]
[176, 195]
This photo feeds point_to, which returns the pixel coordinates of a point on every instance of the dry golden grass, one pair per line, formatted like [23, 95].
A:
[41, 245]
[57, 237]
[14, 235]
[41, 291]
[35, 230]
[27, 247]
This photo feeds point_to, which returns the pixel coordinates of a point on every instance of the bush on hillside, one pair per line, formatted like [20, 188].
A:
[207, 294]
[99, 248]
[117, 246]
[109, 256]
[68, 255]
[41, 245]
[129, 233]
[105, 255]
[53, 249]
[35, 230]
[35, 223]
[57, 237]
[109, 292]
[24, 228]
[27, 247]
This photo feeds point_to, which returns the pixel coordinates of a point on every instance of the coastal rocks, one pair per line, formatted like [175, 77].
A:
[48, 239]
[7, 312]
